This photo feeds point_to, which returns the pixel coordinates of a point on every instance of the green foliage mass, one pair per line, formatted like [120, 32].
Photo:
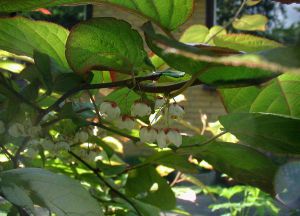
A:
[89, 118]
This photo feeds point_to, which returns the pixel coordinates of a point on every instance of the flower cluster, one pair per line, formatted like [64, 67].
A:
[162, 136]
[27, 129]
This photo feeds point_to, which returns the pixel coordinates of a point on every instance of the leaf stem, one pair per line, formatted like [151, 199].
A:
[112, 188]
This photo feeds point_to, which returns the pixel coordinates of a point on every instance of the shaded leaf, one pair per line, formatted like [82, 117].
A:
[274, 133]
[60, 194]
[146, 185]
[43, 66]
[171, 159]
[229, 76]
[253, 168]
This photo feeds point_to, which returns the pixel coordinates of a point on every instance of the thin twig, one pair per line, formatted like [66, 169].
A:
[8, 154]
[229, 23]
[112, 188]
[95, 105]
[18, 153]
[175, 181]
[100, 125]
[20, 97]
[206, 142]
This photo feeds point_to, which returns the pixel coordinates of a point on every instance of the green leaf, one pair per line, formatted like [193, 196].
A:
[286, 56]
[106, 43]
[60, 194]
[43, 65]
[171, 159]
[22, 36]
[66, 81]
[178, 62]
[287, 184]
[270, 132]
[214, 31]
[170, 14]
[229, 76]
[245, 42]
[192, 59]
[253, 2]
[280, 97]
[253, 168]
[256, 22]
[195, 34]
[146, 209]
[31, 91]
[146, 185]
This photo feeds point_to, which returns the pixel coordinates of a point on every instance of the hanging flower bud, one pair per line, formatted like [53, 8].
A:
[81, 137]
[174, 137]
[140, 109]
[2, 127]
[162, 138]
[16, 130]
[159, 102]
[126, 122]
[110, 110]
[148, 134]
[176, 111]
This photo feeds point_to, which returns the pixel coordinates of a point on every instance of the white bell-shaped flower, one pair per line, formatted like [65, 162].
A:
[16, 130]
[161, 139]
[110, 110]
[174, 137]
[159, 102]
[126, 122]
[148, 134]
[2, 127]
[140, 109]
[176, 111]
[81, 137]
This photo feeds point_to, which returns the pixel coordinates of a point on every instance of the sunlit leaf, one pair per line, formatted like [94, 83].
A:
[22, 36]
[168, 13]
[256, 22]
[99, 44]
